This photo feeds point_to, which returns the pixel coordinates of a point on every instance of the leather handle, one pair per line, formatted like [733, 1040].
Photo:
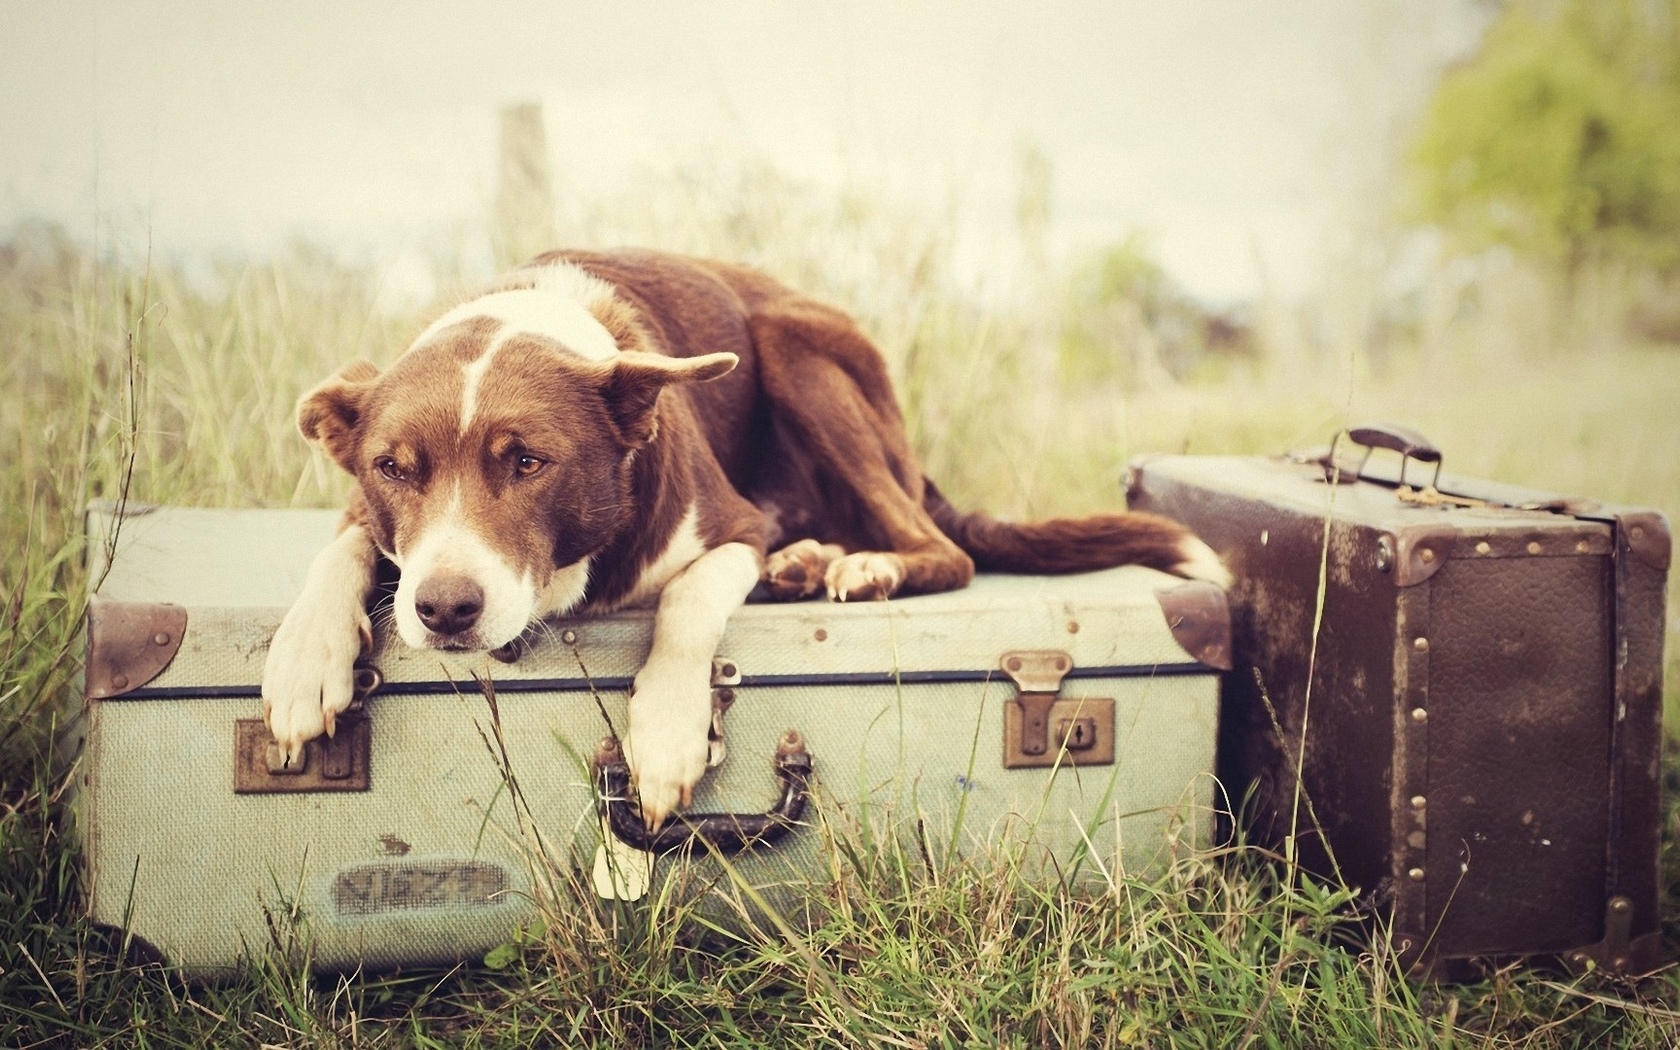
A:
[1395, 437]
[726, 833]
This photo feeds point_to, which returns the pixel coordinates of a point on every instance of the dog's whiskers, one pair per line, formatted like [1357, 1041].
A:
[383, 617]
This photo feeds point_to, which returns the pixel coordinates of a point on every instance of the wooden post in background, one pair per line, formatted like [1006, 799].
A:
[523, 222]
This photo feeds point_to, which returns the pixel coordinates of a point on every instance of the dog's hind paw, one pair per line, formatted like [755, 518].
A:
[864, 576]
[797, 570]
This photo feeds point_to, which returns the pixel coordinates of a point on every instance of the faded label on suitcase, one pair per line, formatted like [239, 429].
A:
[396, 886]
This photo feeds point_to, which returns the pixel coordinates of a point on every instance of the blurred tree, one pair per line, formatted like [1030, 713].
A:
[1124, 271]
[1127, 321]
[1560, 138]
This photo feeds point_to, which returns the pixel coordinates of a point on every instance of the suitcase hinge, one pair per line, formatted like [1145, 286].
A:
[1042, 728]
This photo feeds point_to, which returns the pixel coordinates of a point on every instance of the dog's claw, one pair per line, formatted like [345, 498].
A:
[655, 814]
[659, 801]
[864, 576]
[654, 809]
[290, 751]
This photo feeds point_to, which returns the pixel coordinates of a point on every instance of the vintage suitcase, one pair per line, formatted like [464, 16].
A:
[397, 843]
[1468, 677]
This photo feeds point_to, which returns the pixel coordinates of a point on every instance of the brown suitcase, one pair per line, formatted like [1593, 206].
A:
[1475, 709]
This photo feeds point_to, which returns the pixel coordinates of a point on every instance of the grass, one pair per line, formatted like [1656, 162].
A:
[128, 377]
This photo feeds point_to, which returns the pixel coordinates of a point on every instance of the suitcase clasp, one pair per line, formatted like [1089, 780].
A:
[1041, 727]
[339, 763]
[336, 763]
[726, 675]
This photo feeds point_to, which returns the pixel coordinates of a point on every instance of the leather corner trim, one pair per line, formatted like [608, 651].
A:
[1420, 553]
[1645, 534]
[1200, 619]
[129, 644]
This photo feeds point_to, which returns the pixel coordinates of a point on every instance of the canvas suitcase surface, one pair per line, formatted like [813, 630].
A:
[1477, 716]
[397, 843]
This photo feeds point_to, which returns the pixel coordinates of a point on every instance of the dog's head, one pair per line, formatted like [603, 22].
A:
[495, 457]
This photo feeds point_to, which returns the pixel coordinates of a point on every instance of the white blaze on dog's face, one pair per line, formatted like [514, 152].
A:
[495, 457]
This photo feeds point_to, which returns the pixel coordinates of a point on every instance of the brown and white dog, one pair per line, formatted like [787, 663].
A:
[601, 431]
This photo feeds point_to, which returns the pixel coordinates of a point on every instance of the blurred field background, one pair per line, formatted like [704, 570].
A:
[1510, 285]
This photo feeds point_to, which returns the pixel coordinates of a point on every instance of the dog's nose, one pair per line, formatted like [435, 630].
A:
[448, 602]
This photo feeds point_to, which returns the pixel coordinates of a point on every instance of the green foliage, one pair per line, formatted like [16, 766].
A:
[1126, 321]
[1124, 271]
[1560, 139]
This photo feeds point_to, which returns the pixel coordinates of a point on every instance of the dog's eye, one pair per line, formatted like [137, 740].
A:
[388, 467]
[527, 465]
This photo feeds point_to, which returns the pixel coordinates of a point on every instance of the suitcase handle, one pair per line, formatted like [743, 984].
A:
[1394, 437]
[686, 833]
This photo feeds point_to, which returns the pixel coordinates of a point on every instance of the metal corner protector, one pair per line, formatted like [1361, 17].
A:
[129, 644]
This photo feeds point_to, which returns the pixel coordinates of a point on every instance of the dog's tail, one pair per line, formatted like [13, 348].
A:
[1061, 545]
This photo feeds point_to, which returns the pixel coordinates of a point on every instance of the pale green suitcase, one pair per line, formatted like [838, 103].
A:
[903, 707]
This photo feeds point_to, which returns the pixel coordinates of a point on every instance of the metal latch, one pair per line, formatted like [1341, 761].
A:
[1042, 728]
[726, 675]
[336, 763]
[1620, 952]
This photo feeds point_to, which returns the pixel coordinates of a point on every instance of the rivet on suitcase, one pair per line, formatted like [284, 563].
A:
[1060, 714]
[1476, 708]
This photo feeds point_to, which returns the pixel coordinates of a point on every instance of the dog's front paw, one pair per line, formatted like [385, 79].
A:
[308, 676]
[667, 744]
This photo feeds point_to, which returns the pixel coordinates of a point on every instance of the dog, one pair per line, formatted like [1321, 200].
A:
[599, 431]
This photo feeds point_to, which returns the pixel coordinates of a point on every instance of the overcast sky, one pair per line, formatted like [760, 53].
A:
[1233, 133]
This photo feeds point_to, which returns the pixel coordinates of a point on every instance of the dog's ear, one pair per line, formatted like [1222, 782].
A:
[633, 387]
[328, 414]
